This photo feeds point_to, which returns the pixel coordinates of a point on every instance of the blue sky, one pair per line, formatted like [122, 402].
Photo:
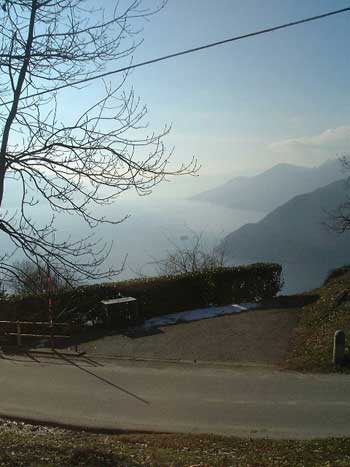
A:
[243, 107]
[228, 105]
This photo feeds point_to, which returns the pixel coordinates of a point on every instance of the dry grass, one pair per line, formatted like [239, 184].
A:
[28, 445]
[311, 344]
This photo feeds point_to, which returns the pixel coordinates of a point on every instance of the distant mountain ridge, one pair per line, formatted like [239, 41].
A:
[272, 188]
[296, 233]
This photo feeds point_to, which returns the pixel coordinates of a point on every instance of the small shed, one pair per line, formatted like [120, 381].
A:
[121, 312]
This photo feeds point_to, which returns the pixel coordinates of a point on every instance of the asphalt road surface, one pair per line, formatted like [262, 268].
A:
[193, 398]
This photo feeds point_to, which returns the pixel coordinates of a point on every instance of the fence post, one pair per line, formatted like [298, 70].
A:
[19, 337]
[339, 348]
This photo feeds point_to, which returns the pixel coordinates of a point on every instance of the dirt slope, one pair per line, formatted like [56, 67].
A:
[259, 336]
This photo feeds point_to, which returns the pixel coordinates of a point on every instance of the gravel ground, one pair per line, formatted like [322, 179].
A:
[259, 336]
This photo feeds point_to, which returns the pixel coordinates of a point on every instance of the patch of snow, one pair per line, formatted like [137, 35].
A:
[196, 315]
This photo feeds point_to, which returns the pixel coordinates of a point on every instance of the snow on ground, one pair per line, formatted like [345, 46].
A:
[196, 315]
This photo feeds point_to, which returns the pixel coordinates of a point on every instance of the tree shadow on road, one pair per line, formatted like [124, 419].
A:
[57, 358]
[104, 380]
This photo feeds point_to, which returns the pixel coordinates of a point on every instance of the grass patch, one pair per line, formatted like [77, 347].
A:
[311, 345]
[28, 445]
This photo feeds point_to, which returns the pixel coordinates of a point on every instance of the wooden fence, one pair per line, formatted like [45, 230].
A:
[37, 329]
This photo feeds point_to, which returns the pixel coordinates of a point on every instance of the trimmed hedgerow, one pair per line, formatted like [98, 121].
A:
[156, 295]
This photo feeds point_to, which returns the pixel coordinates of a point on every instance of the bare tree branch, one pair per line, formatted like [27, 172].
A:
[75, 164]
[194, 257]
[339, 218]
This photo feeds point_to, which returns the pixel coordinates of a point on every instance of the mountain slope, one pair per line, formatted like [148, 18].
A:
[273, 187]
[295, 232]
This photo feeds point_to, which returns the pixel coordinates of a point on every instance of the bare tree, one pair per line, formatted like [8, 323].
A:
[339, 219]
[196, 257]
[77, 163]
[33, 279]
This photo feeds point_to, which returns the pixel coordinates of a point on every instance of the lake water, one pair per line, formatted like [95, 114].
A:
[152, 229]
[156, 225]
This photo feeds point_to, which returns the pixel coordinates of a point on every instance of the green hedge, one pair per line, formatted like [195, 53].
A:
[157, 295]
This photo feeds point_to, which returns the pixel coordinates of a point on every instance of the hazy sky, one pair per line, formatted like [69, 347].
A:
[243, 107]
[282, 97]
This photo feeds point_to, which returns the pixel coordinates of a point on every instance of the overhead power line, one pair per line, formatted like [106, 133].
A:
[186, 52]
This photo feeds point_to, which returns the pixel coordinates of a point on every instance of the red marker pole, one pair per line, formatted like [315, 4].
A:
[50, 306]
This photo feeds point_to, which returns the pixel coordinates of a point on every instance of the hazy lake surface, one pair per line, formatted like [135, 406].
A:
[152, 229]
[156, 226]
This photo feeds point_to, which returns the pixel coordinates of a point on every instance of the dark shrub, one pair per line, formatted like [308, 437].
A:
[156, 295]
[336, 273]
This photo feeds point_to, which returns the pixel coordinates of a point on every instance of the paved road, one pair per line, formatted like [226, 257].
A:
[249, 401]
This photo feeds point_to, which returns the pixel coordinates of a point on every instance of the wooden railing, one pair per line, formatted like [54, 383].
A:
[37, 329]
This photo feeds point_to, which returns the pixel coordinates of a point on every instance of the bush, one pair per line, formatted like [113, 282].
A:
[157, 295]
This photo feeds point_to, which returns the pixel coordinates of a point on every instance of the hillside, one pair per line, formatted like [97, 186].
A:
[310, 348]
[295, 235]
[295, 231]
[272, 188]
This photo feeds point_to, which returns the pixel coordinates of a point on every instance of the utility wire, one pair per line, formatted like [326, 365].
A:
[186, 52]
